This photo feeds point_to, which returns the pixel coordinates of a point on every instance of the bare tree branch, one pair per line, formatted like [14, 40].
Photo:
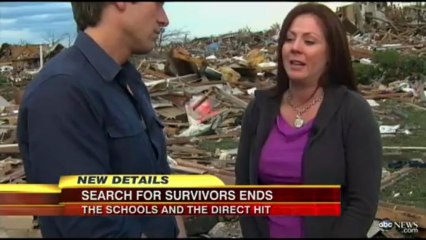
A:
[70, 37]
[275, 27]
[22, 42]
[52, 39]
[175, 35]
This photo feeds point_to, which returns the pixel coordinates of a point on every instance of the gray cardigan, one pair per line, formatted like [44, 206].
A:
[344, 148]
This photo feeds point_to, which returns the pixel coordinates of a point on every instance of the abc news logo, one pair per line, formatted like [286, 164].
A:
[386, 225]
[404, 227]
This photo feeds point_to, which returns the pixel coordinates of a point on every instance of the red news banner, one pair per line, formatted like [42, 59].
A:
[94, 195]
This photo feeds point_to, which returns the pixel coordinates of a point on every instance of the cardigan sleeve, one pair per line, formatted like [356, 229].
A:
[249, 224]
[363, 151]
[244, 145]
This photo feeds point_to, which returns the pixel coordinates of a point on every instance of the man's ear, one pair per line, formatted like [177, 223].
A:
[121, 6]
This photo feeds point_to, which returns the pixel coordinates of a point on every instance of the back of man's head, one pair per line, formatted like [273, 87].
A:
[87, 14]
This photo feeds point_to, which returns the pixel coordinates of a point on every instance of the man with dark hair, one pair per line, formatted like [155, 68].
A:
[88, 112]
[87, 14]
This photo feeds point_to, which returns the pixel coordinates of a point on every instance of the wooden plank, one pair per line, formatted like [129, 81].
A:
[226, 135]
[9, 127]
[9, 148]
[176, 124]
[185, 140]
[415, 106]
[191, 150]
[211, 170]
[418, 148]
[238, 102]
[388, 95]
[394, 177]
[402, 213]
[186, 170]
[156, 73]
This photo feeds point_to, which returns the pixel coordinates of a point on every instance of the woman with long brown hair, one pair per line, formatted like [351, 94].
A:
[313, 127]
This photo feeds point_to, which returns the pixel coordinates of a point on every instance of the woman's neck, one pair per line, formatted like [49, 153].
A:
[301, 93]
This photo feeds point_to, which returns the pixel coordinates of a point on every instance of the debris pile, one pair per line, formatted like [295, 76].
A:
[386, 27]
[200, 90]
[203, 99]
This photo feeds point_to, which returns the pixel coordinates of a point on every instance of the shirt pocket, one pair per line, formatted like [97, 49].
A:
[118, 128]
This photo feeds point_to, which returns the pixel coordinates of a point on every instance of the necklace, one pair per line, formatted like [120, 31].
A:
[298, 122]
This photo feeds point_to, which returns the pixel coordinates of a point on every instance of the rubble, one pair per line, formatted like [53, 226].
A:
[226, 230]
[18, 227]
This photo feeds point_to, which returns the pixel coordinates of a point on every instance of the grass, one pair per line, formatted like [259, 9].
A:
[212, 145]
[411, 190]
[415, 120]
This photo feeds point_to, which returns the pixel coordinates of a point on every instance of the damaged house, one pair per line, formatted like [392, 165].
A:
[356, 17]
[28, 57]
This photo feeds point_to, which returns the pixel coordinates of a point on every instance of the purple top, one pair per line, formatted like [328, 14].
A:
[281, 163]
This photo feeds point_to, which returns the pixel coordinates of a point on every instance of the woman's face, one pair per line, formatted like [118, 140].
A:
[305, 50]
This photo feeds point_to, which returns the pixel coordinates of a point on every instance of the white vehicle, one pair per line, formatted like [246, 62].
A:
[6, 68]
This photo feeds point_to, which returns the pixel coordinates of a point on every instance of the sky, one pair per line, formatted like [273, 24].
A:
[37, 22]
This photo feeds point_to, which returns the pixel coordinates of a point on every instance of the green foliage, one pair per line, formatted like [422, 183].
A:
[211, 145]
[387, 59]
[364, 74]
[413, 65]
[391, 65]
[3, 80]
[388, 63]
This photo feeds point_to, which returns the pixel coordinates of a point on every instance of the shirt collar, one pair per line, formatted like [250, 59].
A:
[97, 57]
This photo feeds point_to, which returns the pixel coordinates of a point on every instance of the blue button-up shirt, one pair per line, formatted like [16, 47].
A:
[78, 117]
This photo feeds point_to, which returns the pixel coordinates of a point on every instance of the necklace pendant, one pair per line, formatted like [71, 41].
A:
[298, 123]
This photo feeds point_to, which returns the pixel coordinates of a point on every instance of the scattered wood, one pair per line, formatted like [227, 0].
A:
[395, 176]
[398, 212]
[9, 148]
[417, 148]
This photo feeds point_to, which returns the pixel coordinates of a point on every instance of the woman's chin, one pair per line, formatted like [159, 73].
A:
[297, 78]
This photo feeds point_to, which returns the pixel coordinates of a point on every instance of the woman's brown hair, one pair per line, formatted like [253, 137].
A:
[340, 71]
